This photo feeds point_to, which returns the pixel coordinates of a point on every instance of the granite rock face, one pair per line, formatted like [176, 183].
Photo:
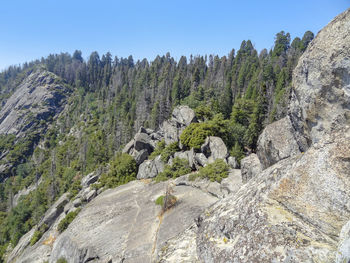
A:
[250, 167]
[291, 212]
[214, 148]
[277, 142]
[150, 168]
[182, 116]
[39, 97]
[321, 84]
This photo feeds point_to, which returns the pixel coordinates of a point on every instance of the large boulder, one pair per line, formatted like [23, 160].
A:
[320, 101]
[140, 156]
[142, 141]
[128, 147]
[214, 148]
[150, 168]
[277, 142]
[250, 167]
[56, 209]
[189, 156]
[182, 116]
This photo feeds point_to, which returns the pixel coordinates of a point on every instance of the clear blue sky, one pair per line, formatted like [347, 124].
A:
[31, 29]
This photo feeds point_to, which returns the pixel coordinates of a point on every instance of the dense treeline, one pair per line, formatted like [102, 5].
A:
[234, 95]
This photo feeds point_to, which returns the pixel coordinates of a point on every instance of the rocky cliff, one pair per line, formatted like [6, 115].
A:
[289, 203]
[40, 96]
[27, 113]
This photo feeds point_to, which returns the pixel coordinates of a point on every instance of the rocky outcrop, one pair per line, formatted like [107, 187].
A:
[250, 167]
[277, 142]
[293, 211]
[182, 116]
[40, 96]
[214, 148]
[321, 93]
[123, 225]
[150, 168]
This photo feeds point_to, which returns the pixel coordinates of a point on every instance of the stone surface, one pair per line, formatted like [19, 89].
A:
[201, 159]
[232, 162]
[277, 142]
[142, 141]
[214, 148]
[250, 167]
[343, 254]
[150, 168]
[89, 179]
[293, 211]
[128, 147]
[56, 209]
[232, 183]
[182, 116]
[188, 155]
[320, 100]
[124, 224]
[141, 156]
[228, 185]
[40, 96]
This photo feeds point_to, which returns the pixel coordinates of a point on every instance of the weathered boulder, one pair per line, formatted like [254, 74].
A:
[188, 155]
[128, 147]
[140, 156]
[292, 212]
[89, 179]
[232, 183]
[214, 148]
[277, 142]
[182, 116]
[320, 100]
[250, 167]
[56, 209]
[142, 141]
[150, 168]
[201, 159]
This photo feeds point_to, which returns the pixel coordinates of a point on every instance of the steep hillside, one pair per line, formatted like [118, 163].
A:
[26, 115]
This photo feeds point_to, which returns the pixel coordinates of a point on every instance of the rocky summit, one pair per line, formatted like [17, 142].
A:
[287, 202]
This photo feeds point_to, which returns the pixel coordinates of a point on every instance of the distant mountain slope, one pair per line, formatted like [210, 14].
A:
[27, 114]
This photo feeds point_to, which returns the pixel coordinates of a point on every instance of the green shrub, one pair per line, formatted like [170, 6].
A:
[62, 260]
[215, 171]
[178, 168]
[123, 170]
[195, 134]
[169, 150]
[38, 234]
[35, 238]
[160, 200]
[64, 223]
[158, 150]
[165, 151]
